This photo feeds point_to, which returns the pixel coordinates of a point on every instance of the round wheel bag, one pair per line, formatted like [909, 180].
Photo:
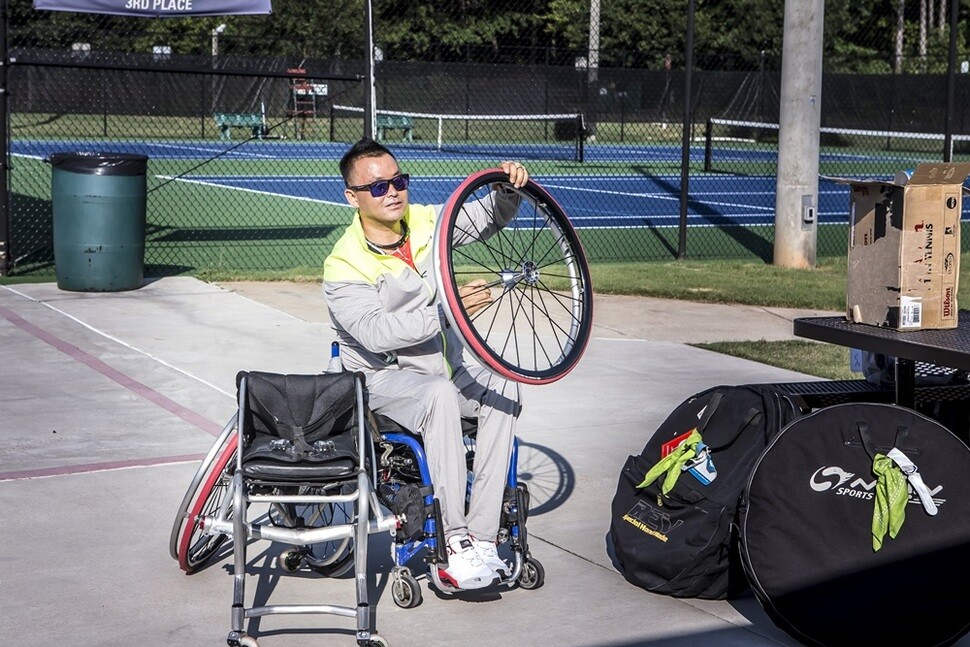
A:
[806, 531]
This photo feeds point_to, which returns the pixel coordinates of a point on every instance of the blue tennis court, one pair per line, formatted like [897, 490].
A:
[311, 150]
[605, 202]
[611, 201]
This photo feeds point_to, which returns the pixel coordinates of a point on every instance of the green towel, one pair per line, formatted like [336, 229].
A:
[891, 497]
[673, 463]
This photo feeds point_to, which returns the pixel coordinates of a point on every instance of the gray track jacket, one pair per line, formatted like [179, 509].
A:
[386, 315]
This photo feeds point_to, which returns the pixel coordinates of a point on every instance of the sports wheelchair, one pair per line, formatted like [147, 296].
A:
[312, 452]
[300, 446]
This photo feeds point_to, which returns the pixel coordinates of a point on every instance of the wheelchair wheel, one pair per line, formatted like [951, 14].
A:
[331, 558]
[533, 575]
[405, 590]
[328, 558]
[538, 325]
[192, 491]
[194, 546]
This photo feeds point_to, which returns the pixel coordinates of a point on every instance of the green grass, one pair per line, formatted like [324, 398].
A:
[715, 281]
[728, 281]
[822, 360]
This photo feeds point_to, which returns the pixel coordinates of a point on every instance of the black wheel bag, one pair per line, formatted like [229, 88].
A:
[806, 531]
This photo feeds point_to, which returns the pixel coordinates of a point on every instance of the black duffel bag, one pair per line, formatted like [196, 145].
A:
[680, 540]
[821, 567]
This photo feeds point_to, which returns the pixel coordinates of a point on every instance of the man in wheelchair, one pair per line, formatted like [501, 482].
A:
[381, 297]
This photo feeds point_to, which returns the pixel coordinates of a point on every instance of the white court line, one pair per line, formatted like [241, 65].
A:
[656, 196]
[271, 193]
[121, 342]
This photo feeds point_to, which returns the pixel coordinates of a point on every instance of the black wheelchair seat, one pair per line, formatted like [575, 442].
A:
[301, 427]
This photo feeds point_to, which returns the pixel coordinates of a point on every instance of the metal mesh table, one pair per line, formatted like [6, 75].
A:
[941, 348]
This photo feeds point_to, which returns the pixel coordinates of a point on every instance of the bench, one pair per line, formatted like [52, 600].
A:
[226, 121]
[938, 384]
[947, 401]
[394, 122]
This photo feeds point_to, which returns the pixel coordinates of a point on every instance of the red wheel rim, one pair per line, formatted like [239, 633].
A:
[451, 301]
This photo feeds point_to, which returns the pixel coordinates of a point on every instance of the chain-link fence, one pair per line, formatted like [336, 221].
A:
[244, 125]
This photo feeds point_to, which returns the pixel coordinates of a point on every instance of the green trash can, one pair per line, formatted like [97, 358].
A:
[99, 202]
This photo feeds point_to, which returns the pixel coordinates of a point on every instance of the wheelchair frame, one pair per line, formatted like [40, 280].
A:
[527, 572]
[208, 517]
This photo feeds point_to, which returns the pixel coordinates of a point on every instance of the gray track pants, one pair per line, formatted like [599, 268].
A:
[432, 406]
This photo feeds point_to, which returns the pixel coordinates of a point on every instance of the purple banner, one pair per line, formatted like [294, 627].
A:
[158, 8]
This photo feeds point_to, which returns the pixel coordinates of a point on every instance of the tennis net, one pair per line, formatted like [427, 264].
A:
[536, 136]
[751, 148]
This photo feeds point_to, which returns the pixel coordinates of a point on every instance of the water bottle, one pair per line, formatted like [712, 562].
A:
[335, 365]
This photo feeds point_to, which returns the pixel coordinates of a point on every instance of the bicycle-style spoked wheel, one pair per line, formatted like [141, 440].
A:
[195, 546]
[206, 468]
[540, 320]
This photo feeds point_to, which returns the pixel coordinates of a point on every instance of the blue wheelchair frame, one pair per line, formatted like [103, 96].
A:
[526, 573]
[403, 553]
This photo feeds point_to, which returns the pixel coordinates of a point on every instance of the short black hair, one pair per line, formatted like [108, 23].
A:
[366, 147]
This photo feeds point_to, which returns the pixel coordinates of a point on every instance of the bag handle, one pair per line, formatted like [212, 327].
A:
[749, 417]
[709, 411]
[867, 441]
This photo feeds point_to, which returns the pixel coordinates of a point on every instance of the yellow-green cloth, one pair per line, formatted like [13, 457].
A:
[672, 464]
[891, 497]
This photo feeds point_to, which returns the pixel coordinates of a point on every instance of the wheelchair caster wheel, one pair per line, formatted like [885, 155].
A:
[405, 590]
[291, 560]
[248, 641]
[374, 641]
[532, 575]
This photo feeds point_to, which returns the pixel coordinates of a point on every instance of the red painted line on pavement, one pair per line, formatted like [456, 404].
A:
[129, 383]
[97, 467]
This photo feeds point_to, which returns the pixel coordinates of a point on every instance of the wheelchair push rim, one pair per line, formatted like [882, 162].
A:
[537, 327]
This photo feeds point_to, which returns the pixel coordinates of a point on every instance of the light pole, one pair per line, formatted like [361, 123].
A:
[215, 53]
[592, 66]
[215, 39]
[370, 90]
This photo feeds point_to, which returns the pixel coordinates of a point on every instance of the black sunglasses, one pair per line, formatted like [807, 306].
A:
[379, 188]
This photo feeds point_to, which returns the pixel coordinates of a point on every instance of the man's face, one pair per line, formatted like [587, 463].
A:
[389, 208]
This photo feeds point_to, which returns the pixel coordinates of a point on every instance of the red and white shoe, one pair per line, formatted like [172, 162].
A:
[489, 554]
[465, 569]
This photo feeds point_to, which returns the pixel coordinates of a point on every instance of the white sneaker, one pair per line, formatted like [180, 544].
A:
[465, 567]
[489, 554]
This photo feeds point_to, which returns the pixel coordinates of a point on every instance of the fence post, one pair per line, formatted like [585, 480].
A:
[708, 145]
[951, 70]
[5, 257]
[685, 143]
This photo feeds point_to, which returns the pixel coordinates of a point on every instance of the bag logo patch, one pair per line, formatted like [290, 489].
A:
[840, 482]
[650, 520]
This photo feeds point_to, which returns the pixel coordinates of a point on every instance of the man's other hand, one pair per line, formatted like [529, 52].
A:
[475, 295]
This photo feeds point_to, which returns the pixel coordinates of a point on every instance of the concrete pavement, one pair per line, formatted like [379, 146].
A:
[109, 400]
[615, 317]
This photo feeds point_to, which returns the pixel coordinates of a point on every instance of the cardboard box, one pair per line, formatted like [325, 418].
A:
[904, 248]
